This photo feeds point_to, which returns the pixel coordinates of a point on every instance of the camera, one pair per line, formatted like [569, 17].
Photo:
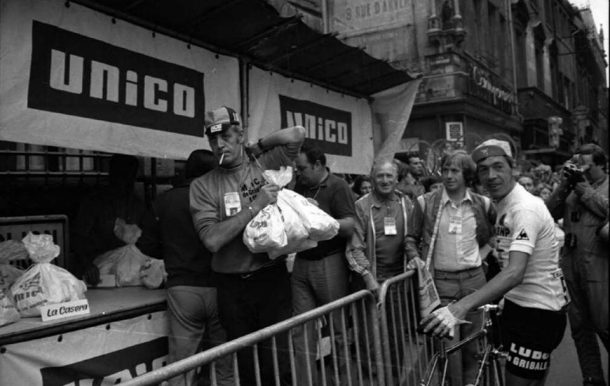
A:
[572, 168]
[573, 173]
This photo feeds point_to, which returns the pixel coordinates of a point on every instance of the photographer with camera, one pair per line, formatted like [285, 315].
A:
[581, 200]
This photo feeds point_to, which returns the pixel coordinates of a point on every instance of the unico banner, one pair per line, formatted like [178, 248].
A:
[102, 355]
[339, 124]
[73, 77]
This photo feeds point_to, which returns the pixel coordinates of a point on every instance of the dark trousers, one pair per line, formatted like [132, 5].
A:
[248, 303]
[587, 281]
[315, 283]
[194, 326]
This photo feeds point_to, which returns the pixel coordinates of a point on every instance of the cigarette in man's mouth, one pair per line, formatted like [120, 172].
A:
[222, 157]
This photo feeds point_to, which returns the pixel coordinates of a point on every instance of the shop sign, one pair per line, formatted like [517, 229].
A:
[76, 75]
[358, 16]
[483, 86]
[328, 128]
[454, 132]
[64, 310]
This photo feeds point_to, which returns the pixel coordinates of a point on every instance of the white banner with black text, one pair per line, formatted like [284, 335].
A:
[102, 355]
[73, 77]
[339, 124]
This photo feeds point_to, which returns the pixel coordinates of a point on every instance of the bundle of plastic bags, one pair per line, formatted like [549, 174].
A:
[290, 225]
[10, 250]
[128, 265]
[8, 312]
[44, 283]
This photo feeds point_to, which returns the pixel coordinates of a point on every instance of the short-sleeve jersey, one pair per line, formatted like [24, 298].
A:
[524, 224]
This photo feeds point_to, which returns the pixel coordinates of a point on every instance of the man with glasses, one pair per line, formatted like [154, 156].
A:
[320, 274]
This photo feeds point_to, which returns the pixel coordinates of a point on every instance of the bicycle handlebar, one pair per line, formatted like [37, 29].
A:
[489, 307]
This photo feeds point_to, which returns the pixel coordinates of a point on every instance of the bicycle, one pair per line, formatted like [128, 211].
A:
[489, 372]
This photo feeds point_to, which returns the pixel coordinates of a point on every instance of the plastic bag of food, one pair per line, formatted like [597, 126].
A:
[8, 312]
[265, 231]
[44, 283]
[296, 235]
[153, 273]
[318, 223]
[10, 250]
[128, 233]
[130, 267]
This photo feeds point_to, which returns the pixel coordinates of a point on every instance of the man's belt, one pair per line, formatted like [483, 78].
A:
[318, 256]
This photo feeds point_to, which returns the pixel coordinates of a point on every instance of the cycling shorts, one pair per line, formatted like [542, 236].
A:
[529, 335]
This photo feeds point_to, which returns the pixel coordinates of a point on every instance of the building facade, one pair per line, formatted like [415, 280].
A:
[528, 71]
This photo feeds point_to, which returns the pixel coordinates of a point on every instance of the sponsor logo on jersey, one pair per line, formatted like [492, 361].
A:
[522, 235]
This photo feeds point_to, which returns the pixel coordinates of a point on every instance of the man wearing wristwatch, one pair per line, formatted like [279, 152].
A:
[253, 291]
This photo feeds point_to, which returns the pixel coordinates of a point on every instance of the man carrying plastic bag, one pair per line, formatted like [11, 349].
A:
[44, 283]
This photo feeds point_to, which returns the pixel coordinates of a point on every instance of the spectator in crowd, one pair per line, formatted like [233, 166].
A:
[93, 231]
[362, 186]
[582, 201]
[432, 183]
[320, 274]
[542, 173]
[544, 191]
[527, 181]
[409, 178]
[533, 318]
[376, 251]
[253, 291]
[191, 293]
[451, 226]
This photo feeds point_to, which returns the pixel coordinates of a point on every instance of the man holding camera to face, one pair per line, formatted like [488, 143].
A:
[581, 200]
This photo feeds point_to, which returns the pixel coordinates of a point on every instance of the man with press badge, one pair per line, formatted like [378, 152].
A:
[253, 290]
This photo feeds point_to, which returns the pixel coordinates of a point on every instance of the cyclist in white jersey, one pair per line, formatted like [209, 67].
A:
[535, 296]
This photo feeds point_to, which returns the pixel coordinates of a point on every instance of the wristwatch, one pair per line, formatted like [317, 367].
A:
[252, 211]
[260, 145]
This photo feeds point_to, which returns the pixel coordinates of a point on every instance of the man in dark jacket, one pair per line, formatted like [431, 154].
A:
[582, 201]
[191, 293]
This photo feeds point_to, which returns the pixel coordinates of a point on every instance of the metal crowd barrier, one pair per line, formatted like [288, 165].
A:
[354, 358]
[407, 354]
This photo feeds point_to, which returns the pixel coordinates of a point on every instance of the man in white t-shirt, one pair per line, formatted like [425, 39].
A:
[533, 320]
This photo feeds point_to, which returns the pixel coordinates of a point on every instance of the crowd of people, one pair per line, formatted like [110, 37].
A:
[477, 214]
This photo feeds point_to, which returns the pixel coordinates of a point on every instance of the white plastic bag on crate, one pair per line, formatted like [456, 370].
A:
[10, 250]
[128, 265]
[8, 312]
[131, 268]
[44, 283]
